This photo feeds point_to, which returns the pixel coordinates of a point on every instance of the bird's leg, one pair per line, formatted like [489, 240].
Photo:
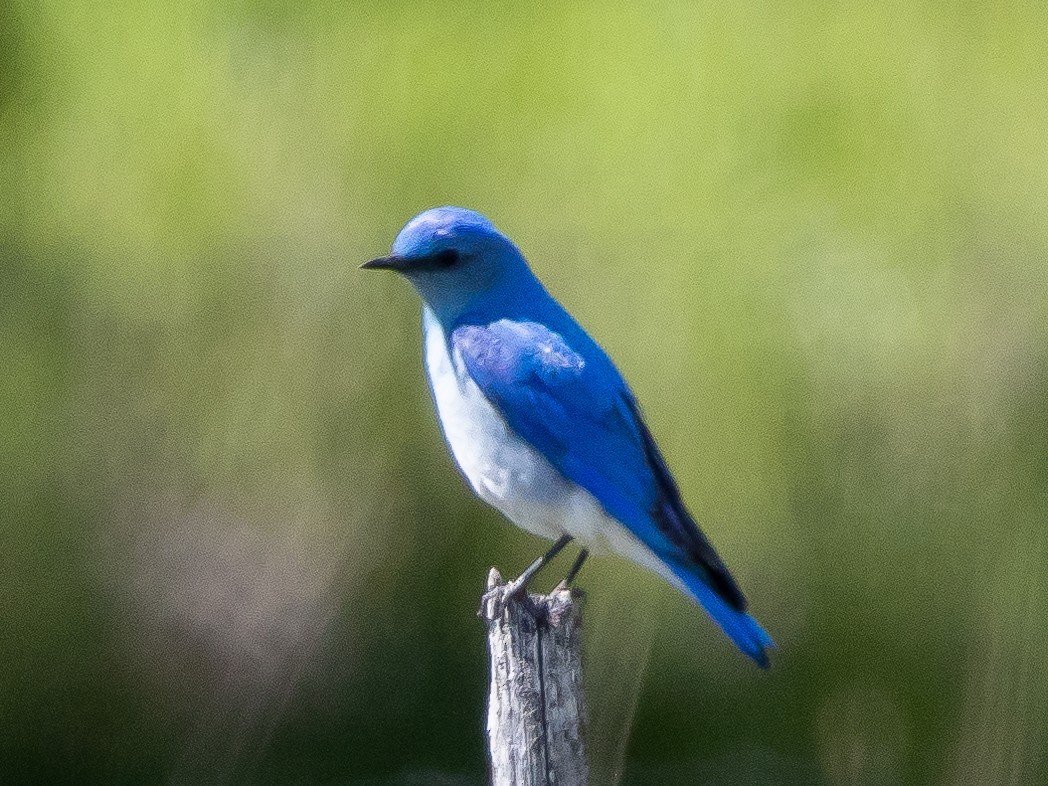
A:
[575, 568]
[521, 583]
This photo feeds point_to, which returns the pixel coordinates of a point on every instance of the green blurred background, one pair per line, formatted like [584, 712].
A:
[814, 236]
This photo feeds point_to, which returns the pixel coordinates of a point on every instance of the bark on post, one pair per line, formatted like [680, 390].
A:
[536, 714]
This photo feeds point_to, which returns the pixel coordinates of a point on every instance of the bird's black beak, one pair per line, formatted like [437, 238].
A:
[386, 263]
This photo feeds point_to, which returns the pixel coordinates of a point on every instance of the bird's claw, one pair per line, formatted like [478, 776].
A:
[518, 588]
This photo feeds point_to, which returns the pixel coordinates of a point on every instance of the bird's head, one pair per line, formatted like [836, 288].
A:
[455, 257]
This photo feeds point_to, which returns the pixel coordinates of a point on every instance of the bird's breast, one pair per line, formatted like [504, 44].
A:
[506, 471]
[503, 469]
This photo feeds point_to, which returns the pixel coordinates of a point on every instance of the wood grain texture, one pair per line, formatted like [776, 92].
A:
[536, 712]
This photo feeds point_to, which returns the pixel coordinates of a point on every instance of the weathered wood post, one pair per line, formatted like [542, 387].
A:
[536, 713]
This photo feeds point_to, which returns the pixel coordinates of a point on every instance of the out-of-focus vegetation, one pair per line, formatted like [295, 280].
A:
[814, 237]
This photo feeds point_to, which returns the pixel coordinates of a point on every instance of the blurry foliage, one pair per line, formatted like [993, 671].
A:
[814, 237]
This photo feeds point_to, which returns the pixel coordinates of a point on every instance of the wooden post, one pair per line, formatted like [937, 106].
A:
[536, 713]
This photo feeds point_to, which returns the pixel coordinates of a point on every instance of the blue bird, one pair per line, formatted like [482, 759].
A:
[540, 421]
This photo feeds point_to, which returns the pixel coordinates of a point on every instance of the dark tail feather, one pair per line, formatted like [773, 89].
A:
[740, 627]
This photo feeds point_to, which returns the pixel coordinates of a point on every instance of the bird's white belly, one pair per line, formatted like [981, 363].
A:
[511, 475]
[503, 468]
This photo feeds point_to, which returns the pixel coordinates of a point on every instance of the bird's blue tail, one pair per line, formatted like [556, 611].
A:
[741, 628]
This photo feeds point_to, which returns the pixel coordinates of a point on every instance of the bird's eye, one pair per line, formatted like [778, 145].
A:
[447, 257]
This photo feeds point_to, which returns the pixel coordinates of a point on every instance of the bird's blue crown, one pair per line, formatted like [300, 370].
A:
[429, 231]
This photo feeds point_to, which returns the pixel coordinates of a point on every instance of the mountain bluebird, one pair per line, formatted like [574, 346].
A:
[540, 421]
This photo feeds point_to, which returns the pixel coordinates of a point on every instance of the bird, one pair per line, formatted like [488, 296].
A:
[542, 424]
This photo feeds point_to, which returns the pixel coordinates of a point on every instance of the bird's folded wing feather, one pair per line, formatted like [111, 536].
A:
[579, 413]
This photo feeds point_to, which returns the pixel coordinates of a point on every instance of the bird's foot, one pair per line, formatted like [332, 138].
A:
[501, 594]
[519, 586]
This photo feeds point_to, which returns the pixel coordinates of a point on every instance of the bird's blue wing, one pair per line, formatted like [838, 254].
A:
[578, 412]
